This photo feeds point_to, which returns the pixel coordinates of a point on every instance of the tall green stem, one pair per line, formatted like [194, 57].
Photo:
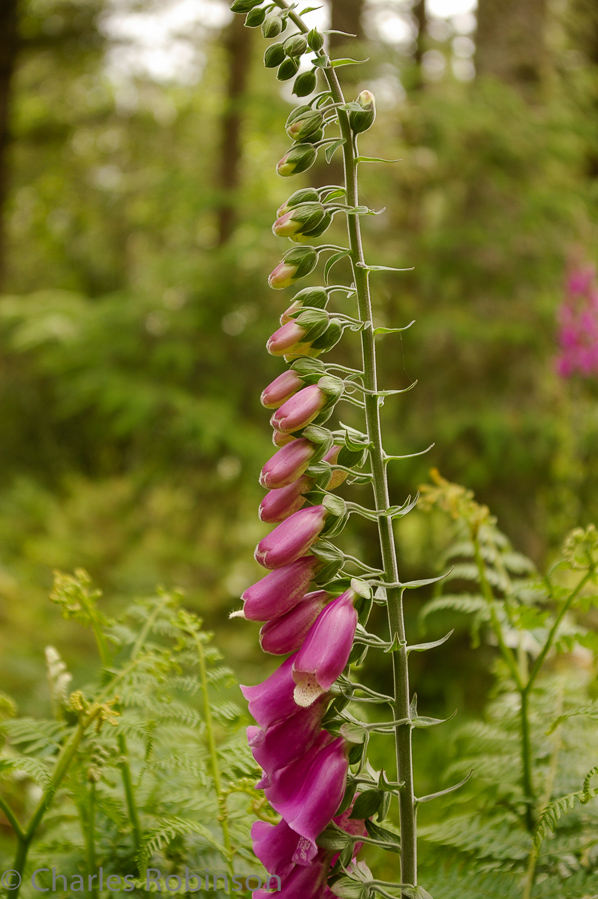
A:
[106, 659]
[396, 621]
[88, 826]
[220, 795]
[129, 789]
[62, 765]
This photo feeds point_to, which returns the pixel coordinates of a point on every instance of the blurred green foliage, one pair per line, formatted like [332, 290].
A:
[133, 346]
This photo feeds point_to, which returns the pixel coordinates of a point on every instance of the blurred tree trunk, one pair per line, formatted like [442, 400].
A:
[511, 42]
[421, 20]
[237, 48]
[8, 53]
[582, 23]
[346, 15]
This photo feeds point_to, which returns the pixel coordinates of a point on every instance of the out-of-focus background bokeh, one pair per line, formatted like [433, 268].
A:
[137, 149]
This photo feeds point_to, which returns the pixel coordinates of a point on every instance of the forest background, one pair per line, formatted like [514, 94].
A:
[137, 190]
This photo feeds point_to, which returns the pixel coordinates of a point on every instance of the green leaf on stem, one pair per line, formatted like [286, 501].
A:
[332, 148]
[382, 268]
[382, 330]
[448, 790]
[336, 257]
[423, 647]
[346, 61]
[375, 159]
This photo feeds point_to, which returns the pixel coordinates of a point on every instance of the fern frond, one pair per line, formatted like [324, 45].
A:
[550, 816]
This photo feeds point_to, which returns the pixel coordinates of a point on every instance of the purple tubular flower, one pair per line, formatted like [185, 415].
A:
[292, 538]
[281, 590]
[309, 790]
[288, 464]
[274, 845]
[279, 504]
[281, 743]
[300, 409]
[281, 389]
[302, 882]
[286, 633]
[286, 339]
[272, 700]
[326, 649]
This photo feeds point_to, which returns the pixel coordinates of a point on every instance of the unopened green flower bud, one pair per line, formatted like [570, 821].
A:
[362, 112]
[305, 84]
[244, 5]
[272, 26]
[298, 220]
[299, 158]
[312, 296]
[315, 40]
[316, 231]
[297, 263]
[303, 122]
[255, 17]
[304, 258]
[303, 195]
[330, 337]
[296, 45]
[314, 322]
[273, 56]
[287, 69]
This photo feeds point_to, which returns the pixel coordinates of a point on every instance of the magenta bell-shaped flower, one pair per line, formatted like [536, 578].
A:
[272, 700]
[286, 634]
[303, 882]
[288, 464]
[279, 504]
[280, 744]
[274, 845]
[281, 590]
[292, 538]
[308, 792]
[281, 389]
[326, 649]
[300, 409]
